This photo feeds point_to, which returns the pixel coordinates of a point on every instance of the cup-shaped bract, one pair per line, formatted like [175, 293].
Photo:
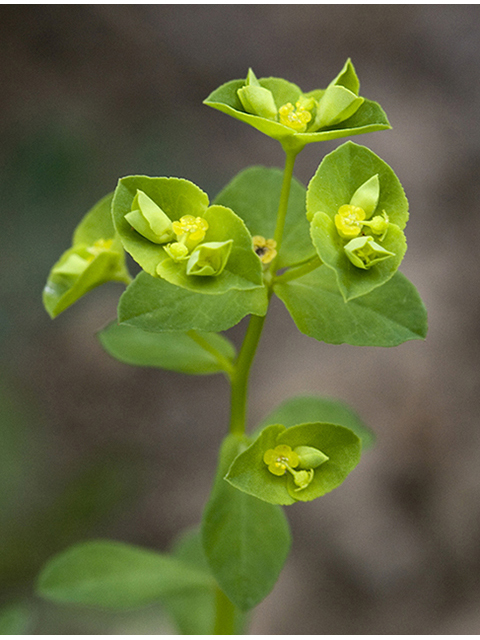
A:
[281, 110]
[298, 464]
[209, 258]
[95, 257]
[358, 210]
[149, 220]
[210, 249]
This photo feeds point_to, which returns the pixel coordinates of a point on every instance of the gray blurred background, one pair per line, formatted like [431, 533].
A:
[93, 448]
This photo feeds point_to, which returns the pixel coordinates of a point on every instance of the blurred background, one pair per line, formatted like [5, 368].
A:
[93, 448]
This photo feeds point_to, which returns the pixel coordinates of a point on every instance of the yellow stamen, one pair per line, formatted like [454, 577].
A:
[297, 117]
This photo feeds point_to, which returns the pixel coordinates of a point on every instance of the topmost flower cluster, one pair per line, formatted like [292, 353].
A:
[282, 111]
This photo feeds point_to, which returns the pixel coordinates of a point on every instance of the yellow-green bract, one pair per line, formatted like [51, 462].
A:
[182, 213]
[338, 452]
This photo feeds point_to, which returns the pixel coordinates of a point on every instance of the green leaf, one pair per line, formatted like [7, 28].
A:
[177, 198]
[194, 611]
[201, 353]
[96, 257]
[254, 195]
[302, 409]
[246, 540]
[385, 317]
[114, 575]
[338, 181]
[250, 473]
[97, 223]
[15, 619]
[152, 304]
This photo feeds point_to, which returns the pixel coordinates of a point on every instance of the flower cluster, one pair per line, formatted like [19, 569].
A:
[281, 110]
[150, 221]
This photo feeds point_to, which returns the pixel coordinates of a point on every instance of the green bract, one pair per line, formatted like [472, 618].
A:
[153, 304]
[96, 257]
[333, 451]
[212, 250]
[282, 111]
[357, 208]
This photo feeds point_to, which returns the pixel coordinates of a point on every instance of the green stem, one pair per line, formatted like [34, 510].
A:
[298, 272]
[290, 156]
[223, 362]
[225, 615]
[239, 378]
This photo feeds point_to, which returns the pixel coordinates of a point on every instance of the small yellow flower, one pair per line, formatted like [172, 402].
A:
[190, 230]
[297, 117]
[265, 249]
[349, 221]
[280, 459]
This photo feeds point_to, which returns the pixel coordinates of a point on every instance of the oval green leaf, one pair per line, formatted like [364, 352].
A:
[152, 304]
[114, 575]
[386, 317]
[202, 353]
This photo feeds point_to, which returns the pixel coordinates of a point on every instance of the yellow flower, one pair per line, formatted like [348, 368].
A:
[349, 221]
[190, 230]
[281, 459]
[265, 249]
[297, 117]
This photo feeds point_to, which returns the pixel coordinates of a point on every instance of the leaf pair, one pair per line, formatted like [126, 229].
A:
[113, 575]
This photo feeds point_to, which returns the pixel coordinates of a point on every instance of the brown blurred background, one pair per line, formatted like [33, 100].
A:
[93, 448]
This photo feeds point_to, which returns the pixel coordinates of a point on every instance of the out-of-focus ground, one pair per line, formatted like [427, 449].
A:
[94, 448]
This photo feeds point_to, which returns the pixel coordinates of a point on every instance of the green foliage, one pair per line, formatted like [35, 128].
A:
[302, 409]
[336, 183]
[194, 611]
[179, 199]
[250, 471]
[114, 575]
[254, 195]
[204, 268]
[193, 353]
[15, 619]
[152, 304]
[246, 540]
[96, 257]
[332, 113]
[386, 317]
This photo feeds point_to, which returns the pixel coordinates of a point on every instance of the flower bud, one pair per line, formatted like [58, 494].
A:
[209, 259]
[364, 252]
[256, 99]
[302, 479]
[366, 196]
[148, 219]
[177, 251]
[336, 105]
[309, 457]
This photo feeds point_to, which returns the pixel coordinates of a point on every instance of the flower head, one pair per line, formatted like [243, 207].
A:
[265, 249]
[281, 110]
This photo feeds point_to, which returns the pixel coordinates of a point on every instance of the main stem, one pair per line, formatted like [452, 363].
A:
[225, 610]
[241, 372]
